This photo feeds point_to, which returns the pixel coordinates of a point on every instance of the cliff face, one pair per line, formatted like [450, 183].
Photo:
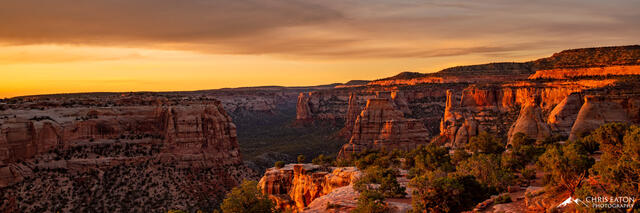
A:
[503, 109]
[168, 152]
[567, 73]
[295, 186]
[563, 116]
[380, 125]
[352, 115]
[601, 109]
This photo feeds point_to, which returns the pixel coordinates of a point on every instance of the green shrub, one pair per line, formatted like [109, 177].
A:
[371, 202]
[529, 174]
[322, 160]
[567, 165]
[485, 143]
[435, 192]
[301, 158]
[619, 165]
[246, 198]
[385, 177]
[431, 157]
[502, 199]
[279, 164]
[487, 170]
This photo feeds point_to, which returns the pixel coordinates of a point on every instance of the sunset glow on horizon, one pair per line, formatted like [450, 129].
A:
[166, 45]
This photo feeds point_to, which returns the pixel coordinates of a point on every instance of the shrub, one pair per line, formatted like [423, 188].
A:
[502, 199]
[459, 156]
[485, 143]
[246, 198]
[374, 158]
[487, 170]
[301, 158]
[279, 164]
[619, 165]
[371, 202]
[567, 166]
[431, 158]
[522, 151]
[448, 193]
[529, 174]
[322, 160]
[385, 177]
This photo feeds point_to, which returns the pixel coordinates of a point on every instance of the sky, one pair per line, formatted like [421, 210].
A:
[66, 46]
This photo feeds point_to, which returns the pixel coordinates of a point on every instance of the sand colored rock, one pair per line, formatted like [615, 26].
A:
[295, 186]
[562, 117]
[530, 122]
[380, 125]
[596, 111]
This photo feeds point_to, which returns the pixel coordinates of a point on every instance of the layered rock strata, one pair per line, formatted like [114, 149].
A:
[567, 73]
[380, 126]
[601, 109]
[295, 186]
[170, 155]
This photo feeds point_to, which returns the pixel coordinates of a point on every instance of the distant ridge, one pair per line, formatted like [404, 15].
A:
[571, 58]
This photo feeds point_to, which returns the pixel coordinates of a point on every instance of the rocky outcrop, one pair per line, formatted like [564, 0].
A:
[563, 116]
[352, 115]
[601, 109]
[182, 151]
[530, 122]
[499, 108]
[380, 125]
[483, 73]
[303, 110]
[295, 186]
[568, 73]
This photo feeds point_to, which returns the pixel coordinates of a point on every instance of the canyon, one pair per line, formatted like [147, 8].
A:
[160, 151]
[566, 95]
[553, 96]
[179, 153]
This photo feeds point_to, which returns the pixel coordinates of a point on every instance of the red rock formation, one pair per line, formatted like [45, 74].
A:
[563, 116]
[601, 109]
[352, 114]
[495, 109]
[196, 135]
[295, 186]
[380, 125]
[568, 73]
[530, 122]
[303, 110]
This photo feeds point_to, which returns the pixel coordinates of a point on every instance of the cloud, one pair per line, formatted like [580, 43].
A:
[323, 29]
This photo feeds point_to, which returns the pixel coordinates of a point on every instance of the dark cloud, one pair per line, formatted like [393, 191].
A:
[326, 28]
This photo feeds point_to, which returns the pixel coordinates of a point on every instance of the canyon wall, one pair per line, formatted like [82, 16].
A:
[172, 154]
[295, 186]
[381, 125]
[496, 108]
[567, 73]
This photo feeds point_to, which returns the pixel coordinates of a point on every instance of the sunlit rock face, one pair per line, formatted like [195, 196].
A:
[381, 126]
[605, 108]
[530, 122]
[170, 154]
[563, 116]
[506, 109]
[295, 186]
[568, 73]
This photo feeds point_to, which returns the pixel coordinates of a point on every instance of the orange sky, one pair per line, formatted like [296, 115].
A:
[167, 45]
